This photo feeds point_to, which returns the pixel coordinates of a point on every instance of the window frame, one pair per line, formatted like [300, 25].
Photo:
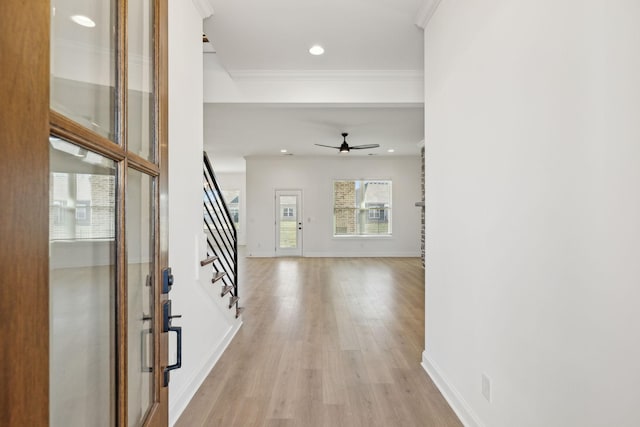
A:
[388, 209]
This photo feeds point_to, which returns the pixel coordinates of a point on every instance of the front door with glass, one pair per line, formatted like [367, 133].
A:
[108, 158]
[288, 222]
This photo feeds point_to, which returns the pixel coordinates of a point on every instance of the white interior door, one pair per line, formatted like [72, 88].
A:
[288, 222]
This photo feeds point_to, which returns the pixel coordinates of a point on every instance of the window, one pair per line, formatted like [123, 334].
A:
[82, 206]
[83, 217]
[376, 213]
[362, 208]
[58, 212]
[287, 212]
[213, 207]
[232, 197]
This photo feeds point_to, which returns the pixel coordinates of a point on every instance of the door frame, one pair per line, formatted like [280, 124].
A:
[298, 250]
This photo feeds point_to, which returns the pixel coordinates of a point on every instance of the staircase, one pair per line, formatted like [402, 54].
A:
[222, 240]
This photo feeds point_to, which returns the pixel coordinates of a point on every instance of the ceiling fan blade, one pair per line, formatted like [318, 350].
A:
[328, 146]
[363, 147]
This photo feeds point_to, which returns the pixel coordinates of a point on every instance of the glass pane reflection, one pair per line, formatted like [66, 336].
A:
[140, 256]
[140, 78]
[82, 287]
[83, 62]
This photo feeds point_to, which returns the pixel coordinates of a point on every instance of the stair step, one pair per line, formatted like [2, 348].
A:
[219, 275]
[233, 300]
[208, 260]
[226, 290]
[239, 311]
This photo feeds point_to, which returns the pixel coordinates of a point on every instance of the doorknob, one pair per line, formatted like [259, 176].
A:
[167, 327]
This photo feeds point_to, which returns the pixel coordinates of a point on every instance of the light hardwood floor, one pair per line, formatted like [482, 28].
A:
[325, 342]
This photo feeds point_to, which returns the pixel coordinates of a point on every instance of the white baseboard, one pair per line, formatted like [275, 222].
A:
[462, 409]
[350, 254]
[338, 254]
[186, 394]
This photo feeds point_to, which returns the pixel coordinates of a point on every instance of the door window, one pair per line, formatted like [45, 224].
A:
[82, 289]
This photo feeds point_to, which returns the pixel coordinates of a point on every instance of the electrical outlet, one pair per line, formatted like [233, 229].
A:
[486, 387]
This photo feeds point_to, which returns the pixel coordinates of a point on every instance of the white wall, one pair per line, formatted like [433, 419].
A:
[314, 176]
[207, 329]
[533, 210]
[236, 181]
[351, 87]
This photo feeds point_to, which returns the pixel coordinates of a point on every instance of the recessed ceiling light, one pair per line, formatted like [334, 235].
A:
[283, 150]
[85, 21]
[316, 50]
[391, 150]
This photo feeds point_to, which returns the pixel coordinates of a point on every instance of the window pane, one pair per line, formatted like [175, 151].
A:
[362, 207]
[140, 256]
[140, 78]
[83, 63]
[288, 222]
[232, 198]
[82, 287]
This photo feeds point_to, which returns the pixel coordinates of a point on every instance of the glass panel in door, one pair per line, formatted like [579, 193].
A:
[82, 296]
[140, 78]
[83, 63]
[140, 294]
[288, 210]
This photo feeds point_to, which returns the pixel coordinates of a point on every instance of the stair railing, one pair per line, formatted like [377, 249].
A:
[222, 237]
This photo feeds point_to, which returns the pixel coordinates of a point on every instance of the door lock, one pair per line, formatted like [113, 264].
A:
[167, 280]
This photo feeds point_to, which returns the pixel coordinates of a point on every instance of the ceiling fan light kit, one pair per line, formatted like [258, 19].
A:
[345, 148]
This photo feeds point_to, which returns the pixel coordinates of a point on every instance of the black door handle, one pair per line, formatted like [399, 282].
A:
[178, 364]
[166, 327]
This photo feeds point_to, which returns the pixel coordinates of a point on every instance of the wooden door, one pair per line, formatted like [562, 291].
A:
[84, 212]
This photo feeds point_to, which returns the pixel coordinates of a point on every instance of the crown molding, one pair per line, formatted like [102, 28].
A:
[426, 12]
[204, 7]
[327, 75]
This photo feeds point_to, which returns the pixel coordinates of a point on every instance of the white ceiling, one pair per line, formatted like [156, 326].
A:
[277, 34]
[264, 130]
[258, 37]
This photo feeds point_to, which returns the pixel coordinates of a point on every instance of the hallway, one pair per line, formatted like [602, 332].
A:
[325, 342]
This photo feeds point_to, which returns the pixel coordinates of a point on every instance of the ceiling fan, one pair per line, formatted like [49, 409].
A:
[345, 148]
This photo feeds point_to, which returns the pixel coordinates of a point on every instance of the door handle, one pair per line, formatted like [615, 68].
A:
[167, 327]
[144, 343]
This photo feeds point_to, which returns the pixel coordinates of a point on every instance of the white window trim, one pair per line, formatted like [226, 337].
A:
[359, 236]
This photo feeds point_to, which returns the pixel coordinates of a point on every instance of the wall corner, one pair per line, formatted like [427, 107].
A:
[426, 12]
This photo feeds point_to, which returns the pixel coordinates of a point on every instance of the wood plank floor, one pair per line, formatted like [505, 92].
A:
[325, 342]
